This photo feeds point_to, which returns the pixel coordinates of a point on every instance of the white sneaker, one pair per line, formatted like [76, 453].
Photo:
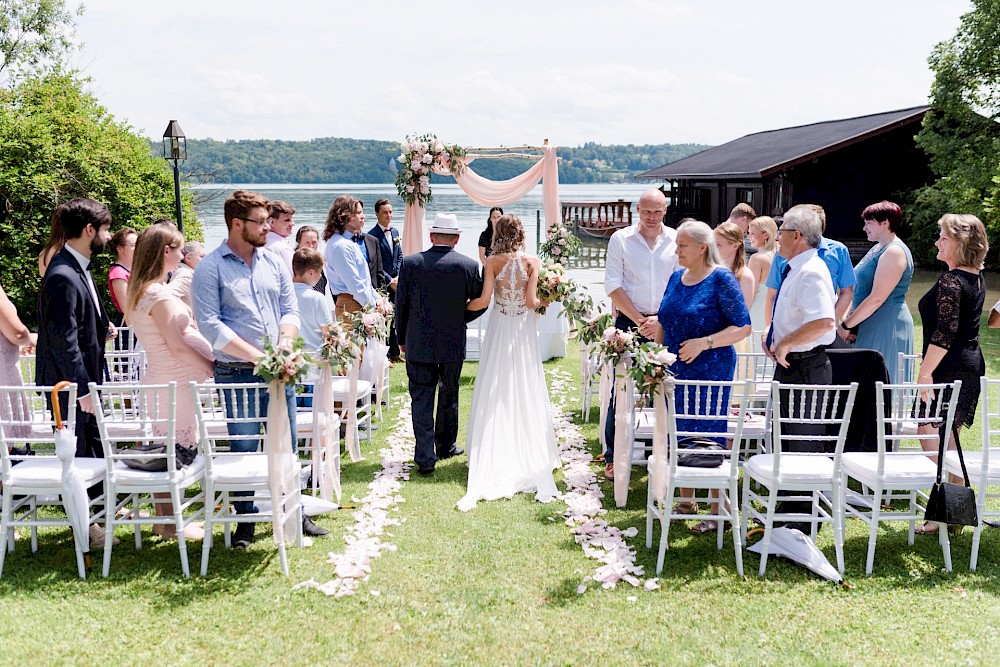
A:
[97, 537]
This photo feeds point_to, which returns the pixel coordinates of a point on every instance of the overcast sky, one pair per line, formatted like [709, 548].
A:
[507, 72]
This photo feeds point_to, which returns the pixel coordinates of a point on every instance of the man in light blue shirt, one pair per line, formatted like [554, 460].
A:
[346, 267]
[243, 296]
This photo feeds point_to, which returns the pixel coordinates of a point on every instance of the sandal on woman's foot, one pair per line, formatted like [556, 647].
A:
[926, 528]
[685, 508]
[707, 526]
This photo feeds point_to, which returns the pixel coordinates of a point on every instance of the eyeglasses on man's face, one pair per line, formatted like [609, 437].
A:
[264, 221]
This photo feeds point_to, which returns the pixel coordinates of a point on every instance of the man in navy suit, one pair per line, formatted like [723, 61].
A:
[392, 256]
[72, 323]
[433, 290]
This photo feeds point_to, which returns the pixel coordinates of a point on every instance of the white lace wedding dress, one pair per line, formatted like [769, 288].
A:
[510, 440]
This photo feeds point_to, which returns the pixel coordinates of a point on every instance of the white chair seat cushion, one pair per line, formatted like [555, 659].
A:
[909, 469]
[793, 468]
[240, 469]
[341, 388]
[48, 472]
[125, 476]
[973, 463]
[304, 421]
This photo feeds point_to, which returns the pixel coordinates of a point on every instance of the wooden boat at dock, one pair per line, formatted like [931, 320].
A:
[598, 219]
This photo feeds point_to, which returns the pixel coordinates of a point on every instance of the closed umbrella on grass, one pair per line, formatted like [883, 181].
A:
[796, 547]
[74, 493]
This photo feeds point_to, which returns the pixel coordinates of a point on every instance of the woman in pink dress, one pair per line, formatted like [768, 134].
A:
[165, 327]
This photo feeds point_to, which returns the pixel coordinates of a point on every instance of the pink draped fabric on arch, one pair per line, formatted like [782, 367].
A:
[492, 193]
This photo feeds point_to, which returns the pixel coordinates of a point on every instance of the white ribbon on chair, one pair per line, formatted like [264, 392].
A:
[281, 474]
[373, 369]
[623, 448]
[607, 376]
[350, 412]
[658, 461]
[326, 438]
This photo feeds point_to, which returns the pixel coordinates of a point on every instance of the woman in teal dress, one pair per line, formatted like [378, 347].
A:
[879, 312]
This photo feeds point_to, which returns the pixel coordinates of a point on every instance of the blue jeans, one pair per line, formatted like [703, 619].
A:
[253, 407]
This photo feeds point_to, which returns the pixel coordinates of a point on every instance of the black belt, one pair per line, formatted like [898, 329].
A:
[808, 354]
[236, 365]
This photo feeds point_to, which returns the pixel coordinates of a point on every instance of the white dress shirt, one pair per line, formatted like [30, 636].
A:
[280, 245]
[640, 271]
[805, 295]
[84, 263]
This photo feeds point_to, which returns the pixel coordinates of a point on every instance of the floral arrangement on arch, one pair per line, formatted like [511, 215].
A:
[421, 153]
[337, 349]
[560, 243]
[650, 365]
[287, 363]
[367, 323]
[615, 345]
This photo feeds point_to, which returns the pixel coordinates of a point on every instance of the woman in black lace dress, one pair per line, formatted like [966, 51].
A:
[486, 238]
[951, 313]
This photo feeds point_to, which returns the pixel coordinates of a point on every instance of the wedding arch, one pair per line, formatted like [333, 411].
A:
[425, 155]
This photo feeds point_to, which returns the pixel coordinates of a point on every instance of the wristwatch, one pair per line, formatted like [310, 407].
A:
[710, 342]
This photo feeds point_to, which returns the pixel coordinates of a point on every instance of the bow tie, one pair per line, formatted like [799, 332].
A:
[359, 238]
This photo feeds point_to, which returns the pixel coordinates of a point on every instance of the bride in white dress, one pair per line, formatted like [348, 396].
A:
[510, 440]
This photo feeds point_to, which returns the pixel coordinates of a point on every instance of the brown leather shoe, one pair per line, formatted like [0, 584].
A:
[396, 359]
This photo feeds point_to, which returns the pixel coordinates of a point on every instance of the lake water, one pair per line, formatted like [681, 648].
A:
[313, 201]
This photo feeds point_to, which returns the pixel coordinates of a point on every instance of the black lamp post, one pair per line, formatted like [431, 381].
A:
[175, 148]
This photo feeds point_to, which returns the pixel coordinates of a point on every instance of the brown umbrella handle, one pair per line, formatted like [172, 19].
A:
[56, 412]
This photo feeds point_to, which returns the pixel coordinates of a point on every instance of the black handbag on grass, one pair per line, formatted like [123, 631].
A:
[949, 503]
[699, 453]
[183, 454]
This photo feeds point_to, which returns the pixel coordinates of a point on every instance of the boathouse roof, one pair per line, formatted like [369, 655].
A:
[765, 153]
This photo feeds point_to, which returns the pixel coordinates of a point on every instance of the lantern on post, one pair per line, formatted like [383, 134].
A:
[175, 148]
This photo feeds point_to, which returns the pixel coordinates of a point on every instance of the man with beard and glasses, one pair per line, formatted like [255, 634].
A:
[73, 325]
[243, 296]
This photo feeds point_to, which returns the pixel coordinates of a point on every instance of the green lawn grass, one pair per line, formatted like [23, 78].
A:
[497, 586]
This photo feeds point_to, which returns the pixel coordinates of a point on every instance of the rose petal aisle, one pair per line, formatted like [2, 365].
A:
[584, 510]
[372, 518]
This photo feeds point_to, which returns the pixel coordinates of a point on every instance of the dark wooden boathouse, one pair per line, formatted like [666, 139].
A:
[842, 165]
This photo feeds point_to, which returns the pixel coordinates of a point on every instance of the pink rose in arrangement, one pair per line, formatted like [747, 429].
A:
[427, 158]
[665, 357]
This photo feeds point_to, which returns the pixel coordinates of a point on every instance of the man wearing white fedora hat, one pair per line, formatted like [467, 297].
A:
[433, 289]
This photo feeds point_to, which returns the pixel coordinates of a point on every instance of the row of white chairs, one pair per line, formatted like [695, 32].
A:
[902, 469]
[132, 414]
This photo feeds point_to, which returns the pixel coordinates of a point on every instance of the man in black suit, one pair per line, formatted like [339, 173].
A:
[433, 290]
[72, 322]
[392, 256]
[73, 325]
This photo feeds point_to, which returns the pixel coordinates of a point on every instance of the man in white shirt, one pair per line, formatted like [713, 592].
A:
[282, 222]
[803, 325]
[639, 263]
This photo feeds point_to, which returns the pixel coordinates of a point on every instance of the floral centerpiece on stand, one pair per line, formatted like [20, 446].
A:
[560, 244]
[337, 349]
[420, 155]
[590, 329]
[287, 363]
[650, 365]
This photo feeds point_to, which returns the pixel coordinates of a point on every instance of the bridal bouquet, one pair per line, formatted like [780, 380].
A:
[368, 323]
[650, 365]
[615, 345]
[337, 349]
[560, 244]
[553, 285]
[287, 363]
[590, 330]
[420, 156]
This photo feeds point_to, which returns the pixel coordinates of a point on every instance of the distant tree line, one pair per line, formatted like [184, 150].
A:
[336, 160]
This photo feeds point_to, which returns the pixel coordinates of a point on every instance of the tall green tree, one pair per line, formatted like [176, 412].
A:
[35, 35]
[961, 134]
[57, 142]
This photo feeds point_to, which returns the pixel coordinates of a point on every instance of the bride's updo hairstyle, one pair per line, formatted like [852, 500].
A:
[508, 235]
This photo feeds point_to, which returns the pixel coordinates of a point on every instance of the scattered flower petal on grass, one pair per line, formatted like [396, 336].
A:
[363, 540]
[584, 507]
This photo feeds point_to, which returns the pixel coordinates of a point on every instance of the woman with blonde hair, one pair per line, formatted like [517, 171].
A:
[950, 313]
[763, 236]
[165, 327]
